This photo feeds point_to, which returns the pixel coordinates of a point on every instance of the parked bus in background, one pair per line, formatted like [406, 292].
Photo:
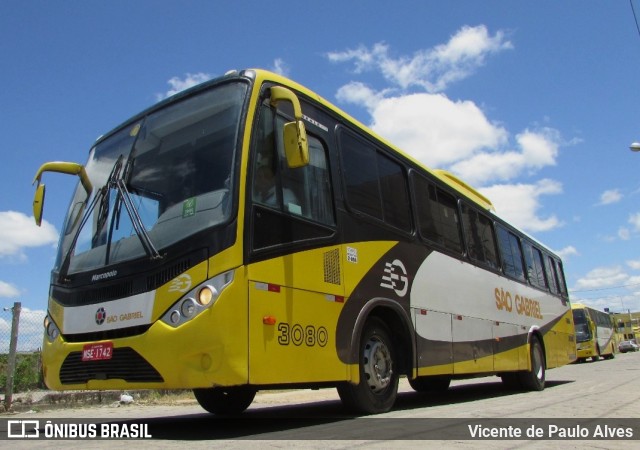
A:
[595, 333]
[246, 234]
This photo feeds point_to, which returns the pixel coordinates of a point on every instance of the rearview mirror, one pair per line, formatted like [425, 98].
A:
[295, 144]
[38, 203]
[62, 167]
[296, 147]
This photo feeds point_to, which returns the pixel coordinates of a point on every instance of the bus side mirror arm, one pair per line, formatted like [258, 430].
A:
[62, 167]
[296, 146]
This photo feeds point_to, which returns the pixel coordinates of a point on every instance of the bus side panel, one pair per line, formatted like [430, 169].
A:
[293, 310]
[560, 342]
[435, 354]
[510, 347]
[490, 317]
[472, 345]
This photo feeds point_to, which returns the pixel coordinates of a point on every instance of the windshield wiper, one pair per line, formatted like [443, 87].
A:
[115, 181]
[136, 221]
[124, 197]
[101, 195]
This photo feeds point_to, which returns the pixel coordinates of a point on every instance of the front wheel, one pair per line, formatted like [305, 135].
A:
[534, 380]
[225, 400]
[378, 387]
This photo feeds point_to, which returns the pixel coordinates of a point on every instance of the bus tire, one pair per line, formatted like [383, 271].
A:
[430, 384]
[378, 387]
[534, 380]
[225, 400]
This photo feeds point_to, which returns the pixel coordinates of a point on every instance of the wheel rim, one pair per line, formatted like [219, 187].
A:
[378, 365]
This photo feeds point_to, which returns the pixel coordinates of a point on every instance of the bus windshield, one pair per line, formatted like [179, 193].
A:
[156, 181]
[583, 332]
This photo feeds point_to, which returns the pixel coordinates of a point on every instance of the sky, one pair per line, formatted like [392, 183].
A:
[534, 103]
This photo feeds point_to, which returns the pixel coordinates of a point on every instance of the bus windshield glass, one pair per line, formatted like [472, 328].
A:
[583, 332]
[156, 181]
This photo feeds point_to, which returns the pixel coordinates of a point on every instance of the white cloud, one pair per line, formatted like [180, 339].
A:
[360, 94]
[8, 290]
[602, 277]
[18, 231]
[536, 150]
[435, 129]
[431, 127]
[180, 84]
[568, 251]
[623, 233]
[610, 196]
[280, 67]
[519, 203]
[456, 135]
[634, 264]
[431, 69]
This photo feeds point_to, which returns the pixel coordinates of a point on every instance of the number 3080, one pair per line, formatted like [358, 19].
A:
[298, 335]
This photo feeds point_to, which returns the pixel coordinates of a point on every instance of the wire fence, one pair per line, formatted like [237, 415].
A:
[21, 335]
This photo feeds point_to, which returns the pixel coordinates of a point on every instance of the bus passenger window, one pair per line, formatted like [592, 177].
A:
[478, 231]
[550, 268]
[376, 184]
[510, 253]
[361, 175]
[535, 269]
[561, 281]
[437, 214]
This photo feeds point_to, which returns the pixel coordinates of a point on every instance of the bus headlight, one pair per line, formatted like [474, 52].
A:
[207, 295]
[51, 330]
[197, 300]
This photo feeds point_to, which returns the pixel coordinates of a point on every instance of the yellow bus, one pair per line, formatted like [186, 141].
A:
[246, 234]
[595, 334]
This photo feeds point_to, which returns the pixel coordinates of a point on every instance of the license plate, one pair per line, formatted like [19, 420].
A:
[97, 352]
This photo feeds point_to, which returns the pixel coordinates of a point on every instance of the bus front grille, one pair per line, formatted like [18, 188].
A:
[125, 364]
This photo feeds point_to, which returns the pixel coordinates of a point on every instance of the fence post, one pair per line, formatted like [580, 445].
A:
[13, 347]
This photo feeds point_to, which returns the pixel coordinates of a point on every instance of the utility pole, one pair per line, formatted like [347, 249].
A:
[13, 348]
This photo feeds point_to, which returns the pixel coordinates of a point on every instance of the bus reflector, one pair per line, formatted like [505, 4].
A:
[269, 320]
[334, 298]
[268, 287]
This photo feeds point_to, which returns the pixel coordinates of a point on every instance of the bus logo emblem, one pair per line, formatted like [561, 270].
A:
[395, 278]
[180, 284]
[101, 314]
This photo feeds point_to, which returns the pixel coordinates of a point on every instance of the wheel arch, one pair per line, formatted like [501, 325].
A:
[537, 333]
[396, 318]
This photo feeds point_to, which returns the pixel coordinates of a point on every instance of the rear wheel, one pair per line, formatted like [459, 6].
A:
[225, 400]
[534, 380]
[378, 387]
